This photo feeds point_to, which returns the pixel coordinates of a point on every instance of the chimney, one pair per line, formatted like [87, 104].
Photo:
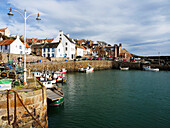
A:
[17, 36]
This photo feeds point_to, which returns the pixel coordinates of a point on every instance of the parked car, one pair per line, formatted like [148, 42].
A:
[102, 58]
[89, 58]
[85, 58]
[109, 58]
[94, 58]
[98, 58]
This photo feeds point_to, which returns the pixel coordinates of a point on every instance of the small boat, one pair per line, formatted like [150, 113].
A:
[63, 71]
[61, 79]
[37, 74]
[148, 68]
[124, 68]
[47, 84]
[5, 84]
[87, 69]
[55, 96]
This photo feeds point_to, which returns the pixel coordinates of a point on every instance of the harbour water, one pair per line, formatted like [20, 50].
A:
[114, 99]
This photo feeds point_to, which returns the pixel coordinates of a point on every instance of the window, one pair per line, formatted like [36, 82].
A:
[52, 49]
[43, 49]
[44, 55]
[6, 47]
[66, 48]
[48, 49]
[66, 43]
[20, 47]
[52, 54]
[60, 38]
[20, 52]
[58, 50]
[60, 35]
[48, 55]
[1, 46]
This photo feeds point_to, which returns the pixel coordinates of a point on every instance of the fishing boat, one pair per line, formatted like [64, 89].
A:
[148, 68]
[61, 79]
[55, 96]
[124, 68]
[63, 71]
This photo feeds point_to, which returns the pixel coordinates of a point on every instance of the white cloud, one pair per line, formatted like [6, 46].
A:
[126, 21]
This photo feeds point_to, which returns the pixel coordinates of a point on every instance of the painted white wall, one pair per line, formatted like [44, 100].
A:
[6, 32]
[68, 47]
[51, 52]
[17, 47]
[60, 51]
[80, 52]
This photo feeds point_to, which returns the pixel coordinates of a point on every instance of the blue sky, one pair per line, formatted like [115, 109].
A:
[142, 26]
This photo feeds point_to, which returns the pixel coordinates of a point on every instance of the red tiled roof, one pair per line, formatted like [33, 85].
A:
[3, 29]
[6, 42]
[80, 41]
[50, 40]
[32, 39]
[27, 46]
[82, 47]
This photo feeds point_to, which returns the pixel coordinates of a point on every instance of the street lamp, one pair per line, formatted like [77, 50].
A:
[25, 19]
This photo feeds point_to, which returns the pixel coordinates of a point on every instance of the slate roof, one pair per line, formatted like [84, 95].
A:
[37, 45]
[69, 38]
[51, 45]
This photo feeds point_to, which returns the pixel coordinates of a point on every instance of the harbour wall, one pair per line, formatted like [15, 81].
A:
[72, 66]
[14, 114]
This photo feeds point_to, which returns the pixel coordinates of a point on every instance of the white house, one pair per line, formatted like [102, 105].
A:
[80, 51]
[50, 50]
[5, 31]
[14, 46]
[66, 47]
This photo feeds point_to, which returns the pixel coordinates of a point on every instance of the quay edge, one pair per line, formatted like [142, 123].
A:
[73, 66]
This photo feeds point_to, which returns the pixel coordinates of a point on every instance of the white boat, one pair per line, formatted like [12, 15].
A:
[37, 74]
[148, 68]
[124, 68]
[87, 69]
[47, 84]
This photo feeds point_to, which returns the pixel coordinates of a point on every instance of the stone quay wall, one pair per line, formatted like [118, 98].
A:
[34, 100]
[72, 66]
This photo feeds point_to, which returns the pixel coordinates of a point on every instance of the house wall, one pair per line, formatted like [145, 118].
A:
[80, 52]
[68, 47]
[7, 32]
[60, 51]
[49, 52]
[5, 48]
[17, 47]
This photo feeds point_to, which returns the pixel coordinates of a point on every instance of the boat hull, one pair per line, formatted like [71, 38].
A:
[57, 102]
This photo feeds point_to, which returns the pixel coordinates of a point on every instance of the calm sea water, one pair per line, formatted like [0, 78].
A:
[114, 99]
